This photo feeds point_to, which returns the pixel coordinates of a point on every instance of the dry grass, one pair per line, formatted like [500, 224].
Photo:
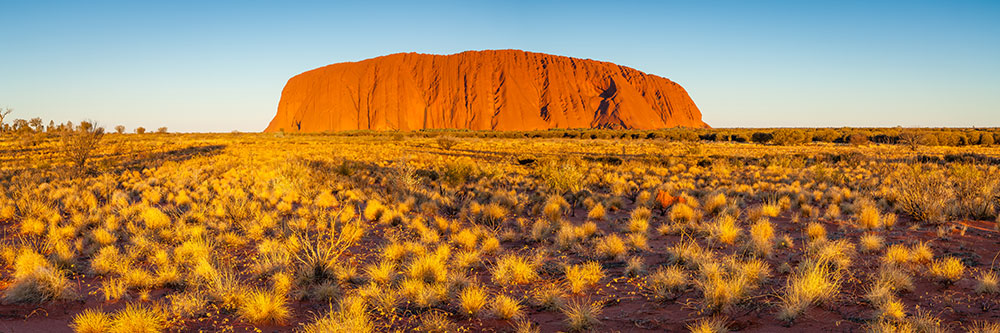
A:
[397, 238]
[265, 307]
[813, 283]
[138, 318]
[514, 269]
[986, 283]
[709, 325]
[871, 242]
[815, 231]
[948, 270]
[580, 277]
[350, 316]
[761, 237]
[505, 307]
[666, 282]
[582, 315]
[91, 321]
[611, 247]
[472, 300]
[725, 230]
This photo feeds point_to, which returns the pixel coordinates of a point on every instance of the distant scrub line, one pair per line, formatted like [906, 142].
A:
[779, 136]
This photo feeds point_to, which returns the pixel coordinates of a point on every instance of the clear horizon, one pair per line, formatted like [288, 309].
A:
[219, 67]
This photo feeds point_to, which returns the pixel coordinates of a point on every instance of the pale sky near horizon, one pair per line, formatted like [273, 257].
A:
[200, 66]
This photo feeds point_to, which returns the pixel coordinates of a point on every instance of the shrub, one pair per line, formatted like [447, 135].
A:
[513, 269]
[761, 237]
[446, 142]
[987, 283]
[725, 230]
[815, 231]
[351, 316]
[91, 321]
[611, 247]
[922, 194]
[138, 318]
[506, 307]
[814, 282]
[79, 144]
[36, 280]
[472, 300]
[709, 325]
[948, 270]
[682, 213]
[263, 307]
[665, 282]
[583, 276]
[871, 242]
[582, 315]
[597, 212]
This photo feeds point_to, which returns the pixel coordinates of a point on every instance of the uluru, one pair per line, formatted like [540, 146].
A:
[503, 90]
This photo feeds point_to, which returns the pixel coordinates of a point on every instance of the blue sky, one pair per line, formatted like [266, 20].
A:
[220, 66]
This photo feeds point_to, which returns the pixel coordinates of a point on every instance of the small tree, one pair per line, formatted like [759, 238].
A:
[3, 114]
[140, 130]
[120, 129]
[21, 125]
[161, 130]
[79, 144]
[910, 139]
[37, 124]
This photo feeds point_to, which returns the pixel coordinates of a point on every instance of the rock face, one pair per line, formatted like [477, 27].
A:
[505, 90]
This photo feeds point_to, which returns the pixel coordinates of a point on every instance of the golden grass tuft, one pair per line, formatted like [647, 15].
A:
[136, 318]
[986, 283]
[505, 307]
[597, 212]
[91, 321]
[761, 237]
[709, 325]
[725, 230]
[581, 315]
[580, 277]
[611, 247]
[472, 300]
[921, 253]
[947, 270]
[720, 290]
[815, 231]
[682, 213]
[36, 280]
[350, 316]
[264, 307]
[871, 242]
[435, 322]
[513, 269]
[814, 283]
